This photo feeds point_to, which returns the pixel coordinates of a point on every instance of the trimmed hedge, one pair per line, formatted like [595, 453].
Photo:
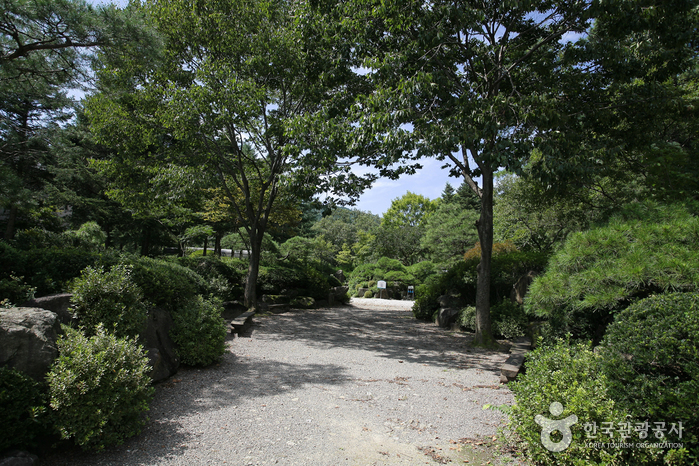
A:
[199, 332]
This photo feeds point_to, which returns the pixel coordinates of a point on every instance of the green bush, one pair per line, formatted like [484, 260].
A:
[165, 284]
[99, 388]
[461, 279]
[651, 359]
[467, 318]
[645, 250]
[23, 413]
[368, 294]
[509, 319]
[109, 298]
[570, 375]
[14, 291]
[389, 270]
[223, 279]
[48, 270]
[278, 279]
[199, 332]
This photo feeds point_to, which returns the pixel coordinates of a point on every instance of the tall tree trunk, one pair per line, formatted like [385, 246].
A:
[250, 297]
[217, 244]
[484, 333]
[10, 230]
[206, 245]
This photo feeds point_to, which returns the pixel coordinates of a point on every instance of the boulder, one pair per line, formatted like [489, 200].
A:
[58, 303]
[519, 289]
[361, 292]
[340, 275]
[447, 301]
[160, 347]
[28, 340]
[339, 292]
[447, 317]
[384, 294]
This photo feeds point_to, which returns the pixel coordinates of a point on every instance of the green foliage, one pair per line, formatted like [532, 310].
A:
[570, 375]
[449, 232]
[199, 332]
[651, 359]
[509, 319]
[14, 291]
[47, 270]
[223, 278]
[368, 294]
[421, 271]
[392, 271]
[99, 388]
[110, 299]
[461, 279]
[646, 249]
[467, 318]
[166, 284]
[280, 279]
[24, 406]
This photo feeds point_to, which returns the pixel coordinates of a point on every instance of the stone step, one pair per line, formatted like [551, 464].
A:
[513, 364]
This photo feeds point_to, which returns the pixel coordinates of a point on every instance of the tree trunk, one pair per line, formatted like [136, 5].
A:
[484, 333]
[250, 297]
[10, 230]
[206, 245]
[217, 244]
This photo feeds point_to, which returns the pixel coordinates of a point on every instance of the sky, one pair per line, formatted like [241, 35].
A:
[428, 181]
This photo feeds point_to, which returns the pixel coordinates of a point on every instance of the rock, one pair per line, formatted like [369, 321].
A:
[340, 275]
[160, 347]
[446, 318]
[19, 458]
[58, 303]
[447, 301]
[384, 294]
[361, 292]
[519, 289]
[28, 340]
[339, 292]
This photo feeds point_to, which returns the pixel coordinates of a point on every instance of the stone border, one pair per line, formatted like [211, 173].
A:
[520, 347]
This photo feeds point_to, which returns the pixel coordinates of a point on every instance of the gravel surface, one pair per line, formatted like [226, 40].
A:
[362, 384]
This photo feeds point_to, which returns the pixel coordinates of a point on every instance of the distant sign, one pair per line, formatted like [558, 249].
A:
[381, 285]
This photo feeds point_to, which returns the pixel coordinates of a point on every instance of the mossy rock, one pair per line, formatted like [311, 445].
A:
[303, 302]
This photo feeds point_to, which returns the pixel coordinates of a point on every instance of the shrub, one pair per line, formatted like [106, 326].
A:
[570, 375]
[307, 281]
[99, 388]
[651, 359]
[223, 278]
[390, 270]
[109, 298]
[166, 284]
[14, 290]
[645, 250]
[22, 417]
[199, 332]
[467, 318]
[368, 294]
[509, 319]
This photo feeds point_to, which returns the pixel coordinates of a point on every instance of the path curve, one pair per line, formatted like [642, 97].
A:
[360, 385]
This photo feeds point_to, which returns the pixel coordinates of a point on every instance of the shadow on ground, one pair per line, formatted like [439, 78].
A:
[390, 333]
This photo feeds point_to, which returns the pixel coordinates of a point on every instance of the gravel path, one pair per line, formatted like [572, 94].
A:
[363, 384]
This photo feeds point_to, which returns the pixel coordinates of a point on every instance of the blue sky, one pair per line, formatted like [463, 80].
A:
[429, 181]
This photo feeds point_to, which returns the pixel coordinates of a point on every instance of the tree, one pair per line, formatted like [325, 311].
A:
[44, 47]
[235, 90]
[491, 85]
[402, 228]
[451, 230]
[473, 80]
